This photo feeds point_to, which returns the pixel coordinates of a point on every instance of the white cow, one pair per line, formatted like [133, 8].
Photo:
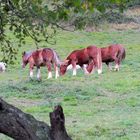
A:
[2, 67]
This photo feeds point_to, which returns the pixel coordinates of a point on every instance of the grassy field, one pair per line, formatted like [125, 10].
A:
[96, 107]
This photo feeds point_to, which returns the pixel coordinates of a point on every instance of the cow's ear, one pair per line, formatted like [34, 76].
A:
[23, 53]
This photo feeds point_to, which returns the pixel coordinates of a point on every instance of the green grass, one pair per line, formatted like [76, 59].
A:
[100, 107]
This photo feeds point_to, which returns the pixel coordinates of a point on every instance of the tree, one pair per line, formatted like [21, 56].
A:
[39, 19]
[21, 126]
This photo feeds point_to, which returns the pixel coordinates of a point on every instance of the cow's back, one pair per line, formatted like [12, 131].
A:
[47, 54]
[92, 51]
[110, 52]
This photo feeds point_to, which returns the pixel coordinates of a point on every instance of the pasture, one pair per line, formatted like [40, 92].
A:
[96, 107]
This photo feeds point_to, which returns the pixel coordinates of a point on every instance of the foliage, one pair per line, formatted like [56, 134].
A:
[39, 19]
[133, 3]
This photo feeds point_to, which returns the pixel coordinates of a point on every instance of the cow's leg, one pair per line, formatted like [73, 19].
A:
[116, 67]
[74, 68]
[109, 66]
[90, 66]
[117, 64]
[116, 60]
[99, 71]
[31, 71]
[84, 67]
[38, 73]
[98, 66]
[99, 61]
[95, 64]
[119, 61]
[56, 71]
[49, 70]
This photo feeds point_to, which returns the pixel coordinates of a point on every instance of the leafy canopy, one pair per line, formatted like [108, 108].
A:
[39, 19]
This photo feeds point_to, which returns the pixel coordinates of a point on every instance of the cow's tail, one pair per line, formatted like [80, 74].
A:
[123, 54]
[56, 58]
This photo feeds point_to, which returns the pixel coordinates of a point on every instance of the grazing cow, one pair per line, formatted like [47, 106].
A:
[2, 67]
[41, 57]
[90, 55]
[113, 53]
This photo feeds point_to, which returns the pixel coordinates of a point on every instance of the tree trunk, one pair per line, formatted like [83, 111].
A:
[21, 126]
[57, 120]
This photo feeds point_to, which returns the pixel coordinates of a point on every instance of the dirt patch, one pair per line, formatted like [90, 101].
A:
[24, 102]
[125, 26]
[104, 92]
[133, 12]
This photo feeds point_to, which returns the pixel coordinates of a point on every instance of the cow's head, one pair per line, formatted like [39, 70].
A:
[24, 59]
[63, 67]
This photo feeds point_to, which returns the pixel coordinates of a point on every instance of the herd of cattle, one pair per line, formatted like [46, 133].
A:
[88, 59]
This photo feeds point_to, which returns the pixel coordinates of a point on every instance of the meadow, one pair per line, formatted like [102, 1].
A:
[96, 107]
